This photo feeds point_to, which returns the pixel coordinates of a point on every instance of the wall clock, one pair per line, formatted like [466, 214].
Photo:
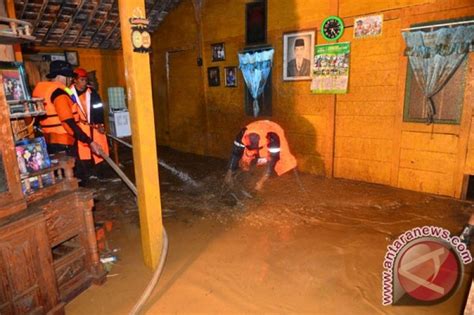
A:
[332, 28]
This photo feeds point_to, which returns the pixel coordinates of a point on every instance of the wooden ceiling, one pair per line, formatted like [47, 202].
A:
[82, 23]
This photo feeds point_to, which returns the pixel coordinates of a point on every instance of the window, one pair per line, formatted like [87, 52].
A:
[448, 102]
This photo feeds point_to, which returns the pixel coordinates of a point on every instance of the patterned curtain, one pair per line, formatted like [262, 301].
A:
[435, 56]
[255, 67]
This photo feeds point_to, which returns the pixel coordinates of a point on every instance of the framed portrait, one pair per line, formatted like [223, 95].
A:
[230, 76]
[256, 22]
[213, 76]
[298, 53]
[14, 81]
[218, 52]
[72, 57]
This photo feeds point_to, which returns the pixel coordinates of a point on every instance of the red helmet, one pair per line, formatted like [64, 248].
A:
[80, 73]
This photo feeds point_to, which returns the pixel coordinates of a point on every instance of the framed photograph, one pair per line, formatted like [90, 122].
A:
[54, 57]
[218, 52]
[72, 57]
[14, 81]
[298, 52]
[368, 26]
[230, 75]
[256, 23]
[213, 76]
[32, 155]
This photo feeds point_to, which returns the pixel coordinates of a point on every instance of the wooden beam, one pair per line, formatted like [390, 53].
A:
[138, 78]
[53, 25]
[40, 14]
[116, 25]
[12, 14]
[71, 22]
[22, 9]
[91, 16]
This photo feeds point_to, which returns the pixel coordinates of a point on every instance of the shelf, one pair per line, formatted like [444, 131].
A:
[15, 31]
[26, 108]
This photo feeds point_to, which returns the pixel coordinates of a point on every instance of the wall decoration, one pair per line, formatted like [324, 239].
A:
[32, 155]
[141, 39]
[332, 28]
[54, 57]
[72, 58]
[218, 52]
[298, 49]
[230, 76]
[256, 66]
[256, 23]
[368, 26]
[331, 69]
[14, 81]
[213, 76]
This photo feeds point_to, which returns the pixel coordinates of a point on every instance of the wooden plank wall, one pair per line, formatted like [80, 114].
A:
[360, 135]
[108, 65]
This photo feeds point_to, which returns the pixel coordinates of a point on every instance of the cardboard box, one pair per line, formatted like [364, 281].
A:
[120, 124]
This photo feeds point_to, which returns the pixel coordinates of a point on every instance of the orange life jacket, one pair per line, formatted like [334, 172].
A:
[262, 128]
[84, 106]
[51, 124]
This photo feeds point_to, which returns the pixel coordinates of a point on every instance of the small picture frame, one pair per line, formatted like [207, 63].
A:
[230, 76]
[213, 76]
[14, 81]
[298, 53]
[72, 57]
[368, 26]
[218, 52]
[32, 155]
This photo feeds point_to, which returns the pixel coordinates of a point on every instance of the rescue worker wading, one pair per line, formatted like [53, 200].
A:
[60, 126]
[261, 142]
[91, 113]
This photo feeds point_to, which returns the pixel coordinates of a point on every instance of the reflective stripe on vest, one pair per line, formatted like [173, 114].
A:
[52, 124]
[84, 149]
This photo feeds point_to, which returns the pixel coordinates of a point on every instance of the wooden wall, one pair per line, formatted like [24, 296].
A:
[360, 135]
[108, 65]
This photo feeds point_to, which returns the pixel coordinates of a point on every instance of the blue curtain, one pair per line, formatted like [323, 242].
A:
[255, 67]
[435, 56]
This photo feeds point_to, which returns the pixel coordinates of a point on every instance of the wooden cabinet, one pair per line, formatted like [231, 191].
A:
[27, 279]
[71, 236]
[48, 250]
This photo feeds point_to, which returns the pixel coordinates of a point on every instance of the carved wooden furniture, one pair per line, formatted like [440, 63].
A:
[48, 250]
[27, 281]
[71, 235]
[11, 197]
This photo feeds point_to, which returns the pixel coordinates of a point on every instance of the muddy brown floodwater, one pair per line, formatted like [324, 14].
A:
[282, 250]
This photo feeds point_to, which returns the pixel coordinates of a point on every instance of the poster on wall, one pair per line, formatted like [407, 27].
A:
[331, 69]
[368, 26]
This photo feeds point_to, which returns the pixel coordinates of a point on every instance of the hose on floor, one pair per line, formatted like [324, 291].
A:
[164, 249]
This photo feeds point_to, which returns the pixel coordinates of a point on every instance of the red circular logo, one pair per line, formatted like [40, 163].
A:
[428, 270]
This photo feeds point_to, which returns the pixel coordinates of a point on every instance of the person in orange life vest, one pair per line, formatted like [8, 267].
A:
[60, 125]
[468, 231]
[262, 142]
[91, 112]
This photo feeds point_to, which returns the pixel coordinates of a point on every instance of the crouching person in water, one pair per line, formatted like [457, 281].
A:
[263, 143]
[468, 231]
